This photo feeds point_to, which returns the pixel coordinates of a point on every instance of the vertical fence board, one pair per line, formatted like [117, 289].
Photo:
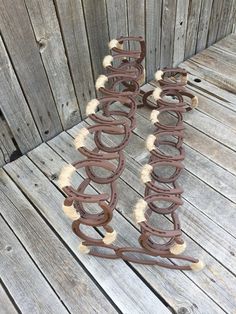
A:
[167, 32]
[192, 28]
[153, 37]
[97, 30]
[73, 30]
[232, 18]
[24, 52]
[47, 32]
[204, 21]
[214, 21]
[136, 21]
[7, 147]
[117, 18]
[14, 106]
[225, 13]
[181, 21]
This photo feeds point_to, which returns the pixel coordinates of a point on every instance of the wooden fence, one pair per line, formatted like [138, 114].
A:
[51, 53]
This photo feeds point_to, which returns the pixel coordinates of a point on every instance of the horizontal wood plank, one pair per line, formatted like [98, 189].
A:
[7, 306]
[23, 280]
[56, 263]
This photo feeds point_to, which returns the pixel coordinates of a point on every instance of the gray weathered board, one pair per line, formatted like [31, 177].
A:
[51, 53]
[35, 229]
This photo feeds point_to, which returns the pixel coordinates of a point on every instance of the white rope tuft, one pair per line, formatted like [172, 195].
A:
[65, 176]
[150, 142]
[197, 266]
[184, 78]
[157, 93]
[71, 212]
[194, 102]
[158, 75]
[100, 82]
[109, 237]
[114, 43]
[107, 61]
[153, 116]
[139, 210]
[146, 173]
[177, 249]
[79, 140]
[92, 106]
[83, 248]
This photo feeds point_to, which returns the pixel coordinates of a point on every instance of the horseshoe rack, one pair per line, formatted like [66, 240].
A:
[121, 84]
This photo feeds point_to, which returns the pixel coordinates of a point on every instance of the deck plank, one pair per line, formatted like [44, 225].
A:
[6, 305]
[55, 262]
[166, 289]
[22, 279]
[24, 172]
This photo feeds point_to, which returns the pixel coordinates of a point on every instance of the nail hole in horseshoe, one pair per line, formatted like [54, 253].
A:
[197, 80]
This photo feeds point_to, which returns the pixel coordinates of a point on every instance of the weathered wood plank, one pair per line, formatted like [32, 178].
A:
[214, 21]
[203, 24]
[180, 31]
[117, 274]
[136, 21]
[22, 279]
[72, 23]
[153, 37]
[14, 106]
[194, 8]
[20, 42]
[211, 91]
[7, 147]
[232, 18]
[6, 305]
[117, 18]
[55, 262]
[227, 44]
[224, 18]
[47, 32]
[167, 32]
[217, 68]
[226, 83]
[125, 204]
[97, 32]
[165, 287]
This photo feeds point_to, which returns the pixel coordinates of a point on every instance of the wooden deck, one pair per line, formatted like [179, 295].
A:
[43, 272]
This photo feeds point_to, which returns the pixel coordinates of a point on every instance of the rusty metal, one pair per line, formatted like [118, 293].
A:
[121, 84]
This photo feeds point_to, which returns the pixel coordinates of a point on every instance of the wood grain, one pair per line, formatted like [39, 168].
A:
[72, 23]
[14, 106]
[214, 22]
[47, 32]
[53, 259]
[97, 32]
[203, 25]
[23, 280]
[6, 305]
[180, 31]
[153, 37]
[194, 8]
[23, 49]
[167, 32]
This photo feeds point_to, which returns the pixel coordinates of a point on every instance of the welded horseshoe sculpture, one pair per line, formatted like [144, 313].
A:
[121, 84]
